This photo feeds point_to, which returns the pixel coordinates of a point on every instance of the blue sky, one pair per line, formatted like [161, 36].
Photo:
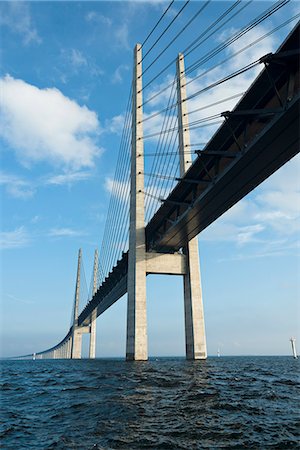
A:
[65, 76]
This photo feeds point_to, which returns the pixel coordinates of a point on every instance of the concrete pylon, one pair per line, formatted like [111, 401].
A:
[69, 348]
[195, 339]
[76, 334]
[136, 343]
[92, 349]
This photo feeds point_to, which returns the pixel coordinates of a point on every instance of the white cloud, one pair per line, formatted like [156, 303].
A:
[77, 58]
[121, 36]
[16, 16]
[14, 239]
[247, 234]
[47, 126]
[68, 178]
[115, 125]
[118, 189]
[64, 232]
[118, 32]
[16, 186]
[273, 210]
[93, 16]
[118, 73]
[230, 232]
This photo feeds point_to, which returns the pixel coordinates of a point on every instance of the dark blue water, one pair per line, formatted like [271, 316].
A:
[227, 402]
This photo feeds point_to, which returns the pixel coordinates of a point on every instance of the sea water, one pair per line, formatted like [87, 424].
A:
[164, 403]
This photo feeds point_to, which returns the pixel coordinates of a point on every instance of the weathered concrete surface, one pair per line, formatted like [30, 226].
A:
[165, 263]
[92, 347]
[195, 339]
[136, 344]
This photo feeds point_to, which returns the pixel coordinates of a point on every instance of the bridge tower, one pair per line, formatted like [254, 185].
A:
[76, 335]
[195, 340]
[136, 344]
[92, 349]
[140, 262]
[77, 331]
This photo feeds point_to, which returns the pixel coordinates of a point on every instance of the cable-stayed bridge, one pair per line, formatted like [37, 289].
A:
[158, 208]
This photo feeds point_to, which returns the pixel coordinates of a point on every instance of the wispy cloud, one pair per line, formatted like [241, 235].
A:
[118, 189]
[16, 16]
[68, 178]
[118, 30]
[21, 188]
[19, 300]
[269, 217]
[14, 239]
[121, 36]
[266, 249]
[16, 186]
[65, 232]
[115, 125]
[93, 16]
[223, 231]
[47, 126]
[119, 73]
[74, 61]
[77, 58]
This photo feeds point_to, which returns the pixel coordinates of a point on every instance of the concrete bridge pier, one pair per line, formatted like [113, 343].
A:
[92, 348]
[76, 343]
[69, 348]
[76, 334]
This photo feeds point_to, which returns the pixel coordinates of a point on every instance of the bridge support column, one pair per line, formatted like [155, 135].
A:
[77, 344]
[136, 344]
[69, 348]
[195, 339]
[76, 335]
[92, 349]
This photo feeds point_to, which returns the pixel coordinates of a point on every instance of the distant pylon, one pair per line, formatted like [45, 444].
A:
[92, 349]
[76, 337]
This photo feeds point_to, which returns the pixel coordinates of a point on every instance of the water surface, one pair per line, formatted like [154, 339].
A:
[165, 403]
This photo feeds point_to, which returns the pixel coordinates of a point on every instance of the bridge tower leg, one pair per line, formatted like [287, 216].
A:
[92, 349]
[69, 348]
[76, 333]
[195, 340]
[136, 344]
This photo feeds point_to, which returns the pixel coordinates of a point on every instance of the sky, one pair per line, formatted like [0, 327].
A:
[66, 70]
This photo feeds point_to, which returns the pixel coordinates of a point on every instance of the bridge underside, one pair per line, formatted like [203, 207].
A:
[242, 172]
[259, 136]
